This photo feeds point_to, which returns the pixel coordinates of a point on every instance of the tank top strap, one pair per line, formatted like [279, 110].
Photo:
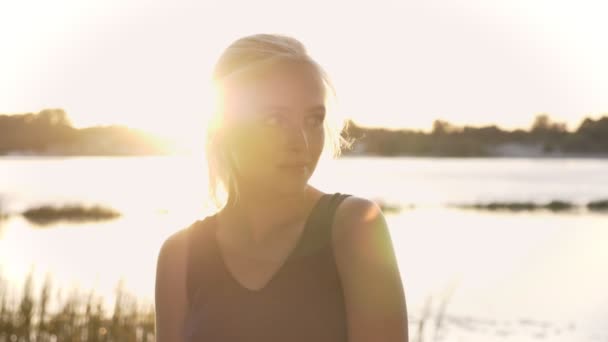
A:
[330, 212]
[334, 202]
[319, 234]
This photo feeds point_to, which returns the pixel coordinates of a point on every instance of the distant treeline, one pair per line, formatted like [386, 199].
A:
[544, 138]
[50, 132]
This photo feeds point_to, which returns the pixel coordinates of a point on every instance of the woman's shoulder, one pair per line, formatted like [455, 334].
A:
[354, 209]
[177, 243]
[356, 216]
[362, 242]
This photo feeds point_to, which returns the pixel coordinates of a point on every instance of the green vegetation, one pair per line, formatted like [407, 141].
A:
[47, 214]
[545, 138]
[601, 205]
[510, 206]
[78, 319]
[560, 206]
[50, 132]
[555, 206]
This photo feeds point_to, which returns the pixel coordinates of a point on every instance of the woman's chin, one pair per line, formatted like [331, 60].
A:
[291, 184]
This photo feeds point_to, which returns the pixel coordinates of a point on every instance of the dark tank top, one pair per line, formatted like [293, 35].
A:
[303, 301]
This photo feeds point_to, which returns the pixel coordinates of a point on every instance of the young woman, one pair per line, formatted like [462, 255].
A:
[280, 260]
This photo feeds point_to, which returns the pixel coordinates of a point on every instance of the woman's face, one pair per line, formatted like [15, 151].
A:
[275, 127]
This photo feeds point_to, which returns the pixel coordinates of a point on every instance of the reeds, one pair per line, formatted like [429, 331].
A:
[77, 319]
[430, 326]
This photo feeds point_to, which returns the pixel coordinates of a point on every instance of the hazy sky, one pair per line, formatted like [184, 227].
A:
[394, 63]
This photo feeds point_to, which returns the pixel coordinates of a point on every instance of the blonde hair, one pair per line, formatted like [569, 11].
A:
[252, 54]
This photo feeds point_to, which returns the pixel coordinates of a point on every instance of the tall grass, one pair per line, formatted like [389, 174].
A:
[430, 324]
[79, 318]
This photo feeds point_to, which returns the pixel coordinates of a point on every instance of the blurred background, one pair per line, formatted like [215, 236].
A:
[484, 126]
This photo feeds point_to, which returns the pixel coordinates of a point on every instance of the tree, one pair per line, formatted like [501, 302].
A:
[443, 127]
[53, 117]
[542, 123]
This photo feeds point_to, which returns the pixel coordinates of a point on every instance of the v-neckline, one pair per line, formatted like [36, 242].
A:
[298, 245]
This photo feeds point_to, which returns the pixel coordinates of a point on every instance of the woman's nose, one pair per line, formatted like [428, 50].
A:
[297, 137]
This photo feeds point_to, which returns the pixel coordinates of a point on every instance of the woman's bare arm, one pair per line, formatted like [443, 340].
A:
[170, 288]
[373, 290]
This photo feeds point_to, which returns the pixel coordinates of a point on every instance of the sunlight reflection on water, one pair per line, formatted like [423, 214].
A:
[508, 271]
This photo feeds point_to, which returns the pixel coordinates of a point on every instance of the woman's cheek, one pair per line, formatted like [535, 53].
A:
[316, 141]
[256, 151]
